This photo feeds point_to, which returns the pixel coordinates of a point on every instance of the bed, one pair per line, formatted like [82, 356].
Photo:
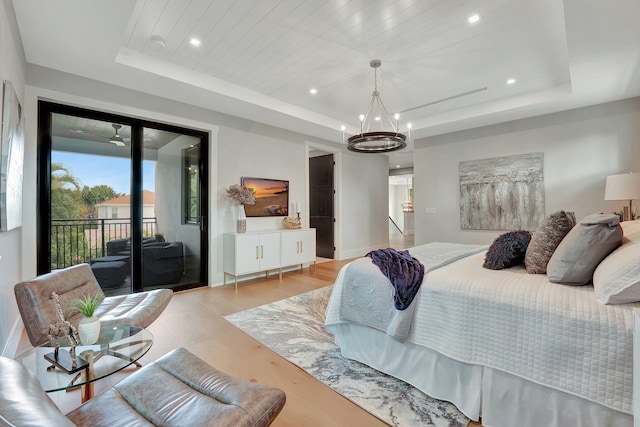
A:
[506, 346]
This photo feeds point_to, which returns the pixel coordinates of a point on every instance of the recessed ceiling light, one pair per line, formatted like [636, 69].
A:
[76, 130]
[194, 42]
[313, 91]
[397, 166]
[511, 81]
[473, 18]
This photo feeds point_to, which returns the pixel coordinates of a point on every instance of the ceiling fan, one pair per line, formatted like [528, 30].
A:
[116, 139]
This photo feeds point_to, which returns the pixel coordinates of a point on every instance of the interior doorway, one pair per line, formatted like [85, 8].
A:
[124, 195]
[401, 215]
[321, 201]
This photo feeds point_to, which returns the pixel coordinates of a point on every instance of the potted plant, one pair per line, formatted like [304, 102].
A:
[89, 326]
[242, 196]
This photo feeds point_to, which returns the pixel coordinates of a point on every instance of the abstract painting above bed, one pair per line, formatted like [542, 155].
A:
[502, 193]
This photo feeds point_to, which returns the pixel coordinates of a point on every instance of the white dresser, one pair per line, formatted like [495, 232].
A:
[267, 250]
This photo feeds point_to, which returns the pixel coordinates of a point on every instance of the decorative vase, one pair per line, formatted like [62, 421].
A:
[89, 330]
[241, 223]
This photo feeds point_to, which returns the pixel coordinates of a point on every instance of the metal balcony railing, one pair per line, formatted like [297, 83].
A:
[74, 241]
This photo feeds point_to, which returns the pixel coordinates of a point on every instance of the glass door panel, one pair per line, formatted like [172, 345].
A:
[90, 199]
[171, 248]
[124, 195]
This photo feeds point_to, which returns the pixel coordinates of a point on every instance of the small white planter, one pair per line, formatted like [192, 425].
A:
[89, 330]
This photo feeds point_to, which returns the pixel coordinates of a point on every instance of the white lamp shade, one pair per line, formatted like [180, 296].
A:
[625, 186]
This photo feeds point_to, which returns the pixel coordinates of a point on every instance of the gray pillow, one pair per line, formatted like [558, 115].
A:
[546, 239]
[582, 249]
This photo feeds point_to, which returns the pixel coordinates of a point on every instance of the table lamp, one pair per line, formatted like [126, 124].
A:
[624, 186]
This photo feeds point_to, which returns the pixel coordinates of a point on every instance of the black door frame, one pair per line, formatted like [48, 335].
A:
[46, 109]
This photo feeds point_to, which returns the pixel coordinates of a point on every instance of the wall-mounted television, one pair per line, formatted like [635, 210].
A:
[272, 197]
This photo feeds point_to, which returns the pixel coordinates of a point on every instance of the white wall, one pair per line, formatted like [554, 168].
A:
[12, 68]
[258, 155]
[581, 147]
[169, 202]
[364, 201]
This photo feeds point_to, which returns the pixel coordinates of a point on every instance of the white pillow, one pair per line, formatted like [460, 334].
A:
[616, 280]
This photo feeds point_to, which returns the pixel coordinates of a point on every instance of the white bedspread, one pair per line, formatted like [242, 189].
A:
[365, 299]
[555, 335]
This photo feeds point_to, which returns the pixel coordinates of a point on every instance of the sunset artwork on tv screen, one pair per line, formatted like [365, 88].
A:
[272, 197]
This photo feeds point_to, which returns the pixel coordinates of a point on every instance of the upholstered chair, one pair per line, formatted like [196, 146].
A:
[38, 309]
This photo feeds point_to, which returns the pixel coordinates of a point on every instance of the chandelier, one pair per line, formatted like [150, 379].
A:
[373, 140]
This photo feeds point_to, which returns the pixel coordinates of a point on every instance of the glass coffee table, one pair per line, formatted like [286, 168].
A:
[117, 348]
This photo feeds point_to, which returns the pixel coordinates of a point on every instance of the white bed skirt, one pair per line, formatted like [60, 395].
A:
[501, 399]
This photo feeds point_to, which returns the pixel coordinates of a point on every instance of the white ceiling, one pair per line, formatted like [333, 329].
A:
[259, 58]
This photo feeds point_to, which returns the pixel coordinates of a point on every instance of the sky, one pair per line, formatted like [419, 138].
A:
[91, 170]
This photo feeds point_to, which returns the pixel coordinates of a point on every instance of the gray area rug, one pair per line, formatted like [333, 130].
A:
[294, 328]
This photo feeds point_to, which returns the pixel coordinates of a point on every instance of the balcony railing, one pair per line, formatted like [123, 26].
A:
[74, 241]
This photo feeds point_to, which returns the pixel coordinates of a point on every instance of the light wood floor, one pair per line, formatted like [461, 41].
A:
[194, 320]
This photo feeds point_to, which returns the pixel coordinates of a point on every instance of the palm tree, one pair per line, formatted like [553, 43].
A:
[64, 192]
[68, 244]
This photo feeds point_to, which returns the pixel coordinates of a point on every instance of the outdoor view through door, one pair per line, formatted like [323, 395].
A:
[100, 200]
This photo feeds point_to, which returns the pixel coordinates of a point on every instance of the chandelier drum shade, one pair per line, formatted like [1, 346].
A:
[370, 139]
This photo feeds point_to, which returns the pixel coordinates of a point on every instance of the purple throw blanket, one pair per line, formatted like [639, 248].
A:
[404, 272]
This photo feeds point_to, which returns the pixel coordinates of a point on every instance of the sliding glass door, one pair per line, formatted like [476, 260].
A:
[126, 196]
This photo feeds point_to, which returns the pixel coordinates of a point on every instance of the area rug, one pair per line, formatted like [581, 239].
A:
[300, 337]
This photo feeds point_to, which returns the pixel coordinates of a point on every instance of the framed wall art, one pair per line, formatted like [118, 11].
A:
[12, 160]
[502, 193]
[272, 197]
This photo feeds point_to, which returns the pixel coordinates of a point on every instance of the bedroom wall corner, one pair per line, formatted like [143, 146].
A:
[12, 68]
[364, 198]
[581, 147]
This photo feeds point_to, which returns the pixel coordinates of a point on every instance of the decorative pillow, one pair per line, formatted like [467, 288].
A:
[546, 239]
[617, 278]
[507, 250]
[582, 249]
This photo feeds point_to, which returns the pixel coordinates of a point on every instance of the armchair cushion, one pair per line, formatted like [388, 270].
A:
[180, 389]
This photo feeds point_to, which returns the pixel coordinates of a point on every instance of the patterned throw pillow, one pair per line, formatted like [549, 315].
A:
[546, 239]
[507, 250]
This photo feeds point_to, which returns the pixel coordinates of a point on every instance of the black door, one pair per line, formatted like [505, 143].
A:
[321, 203]
[125, 195]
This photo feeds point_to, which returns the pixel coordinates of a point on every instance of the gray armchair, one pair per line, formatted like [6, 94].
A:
[178, 389]
[38, 310]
